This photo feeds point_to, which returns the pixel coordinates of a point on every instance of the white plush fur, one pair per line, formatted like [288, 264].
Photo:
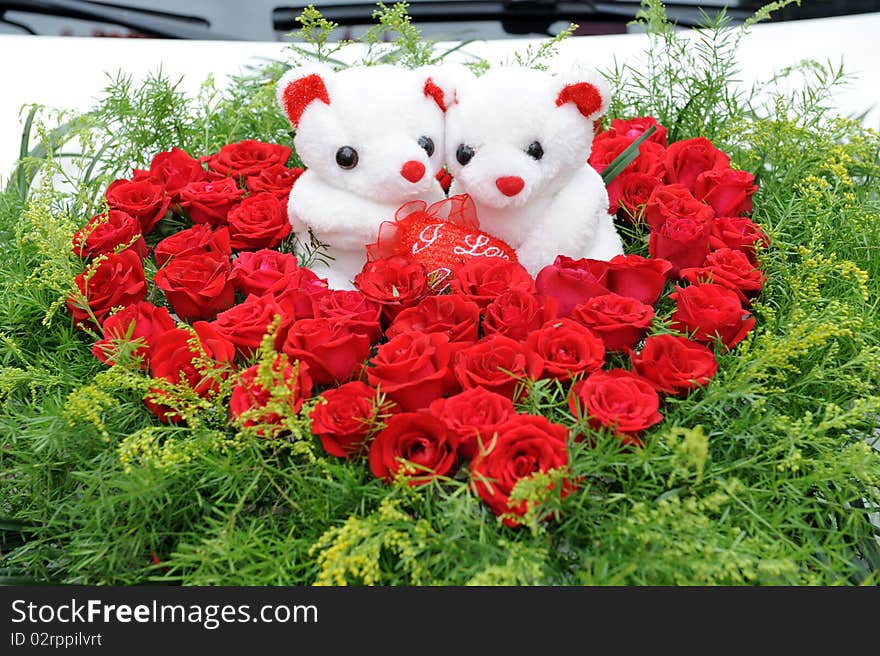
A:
[563, 206]
[381, 112]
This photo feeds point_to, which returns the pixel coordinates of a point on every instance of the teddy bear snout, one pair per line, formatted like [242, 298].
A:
[413, 171]
[510, 185]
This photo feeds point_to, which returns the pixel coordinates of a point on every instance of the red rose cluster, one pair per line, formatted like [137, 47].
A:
[417, 383]
[695, 207]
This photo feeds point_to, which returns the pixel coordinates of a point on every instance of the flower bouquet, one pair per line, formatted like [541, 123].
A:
[694, 410]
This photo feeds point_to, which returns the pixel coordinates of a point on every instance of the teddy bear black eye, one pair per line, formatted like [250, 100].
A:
[535, 150]
[428, 144]
[347, 157]
[464, 154]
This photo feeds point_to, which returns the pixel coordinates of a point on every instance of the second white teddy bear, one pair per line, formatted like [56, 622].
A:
[372, 139]
[517, 141]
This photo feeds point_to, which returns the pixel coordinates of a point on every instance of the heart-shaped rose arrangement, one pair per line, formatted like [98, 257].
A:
[418, 373]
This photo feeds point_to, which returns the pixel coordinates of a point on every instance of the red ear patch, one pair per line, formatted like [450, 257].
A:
[300, 93]
[584, 95]
[433, 91]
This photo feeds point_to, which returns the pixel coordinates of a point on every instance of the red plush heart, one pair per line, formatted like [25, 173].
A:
[440, 237]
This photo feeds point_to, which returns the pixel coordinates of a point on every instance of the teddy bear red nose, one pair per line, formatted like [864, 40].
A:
[413, 171]
[510, 185]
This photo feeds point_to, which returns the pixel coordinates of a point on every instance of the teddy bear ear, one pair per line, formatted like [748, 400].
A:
[441, 82]
[300, 87]
[587, 91]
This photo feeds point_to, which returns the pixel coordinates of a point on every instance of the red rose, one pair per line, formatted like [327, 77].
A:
[174, 170]
[731, 269]
[289, 385]
[262, 272]
[619, 321]
[495, 362]
[525, 445]
[515, 313]
[453, 315]
[210, 202]
[259, 221]
[641, 278]
[635, 190]
[416, 445]
[194, 358]
[246, 158]
[277, 180]
[105, 233]
[674, 200]
[193, 241]
[634, 128]
[682, 241]
[134, 325]
[303, 291]
[473, 417]
[197, 285]
[616, 399]
[334, 352]
[561, 349]
[729, 192]
[571, 282]
[674, 364]
[686, 160]
[116, 281]
[395, 283]
[246, 324]
[445, 179]
[680, 226]
[739, 233]
[352, 308]
[482, 279]
[608, 145]
[344, 418]
[413, 369]
[709, 310]
[142, 199]
[648, 162]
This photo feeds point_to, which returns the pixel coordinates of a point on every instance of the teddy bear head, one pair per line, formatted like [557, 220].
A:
[374, 131]
[515, 134]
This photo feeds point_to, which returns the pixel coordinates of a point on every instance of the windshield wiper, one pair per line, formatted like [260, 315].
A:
[516, 16]
[144, 21]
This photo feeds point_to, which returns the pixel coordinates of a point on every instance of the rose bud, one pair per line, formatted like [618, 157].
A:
[525, 445]
[619, 400]
[571, 282]
[687, 159]
[197, 286]
[136, 325]
[413, 369]
[451, 314]
[473, 417]
[563, 348]
[105, 233]
[334, 352]
[145, 201]
[345, 417]
[674, 364]
[290, 385]
[246, 158]
[619, 321]
[259, 221]
[210, 202]
[482, 279]
[116, 281]
[416, 445]
[516, 313]
[709, 311]
[495, 363]
[193, 241]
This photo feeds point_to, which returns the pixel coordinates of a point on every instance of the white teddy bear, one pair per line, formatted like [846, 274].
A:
[372, 139]
[517, 141]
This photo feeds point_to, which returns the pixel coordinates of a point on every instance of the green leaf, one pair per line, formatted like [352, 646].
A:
[626, 157]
